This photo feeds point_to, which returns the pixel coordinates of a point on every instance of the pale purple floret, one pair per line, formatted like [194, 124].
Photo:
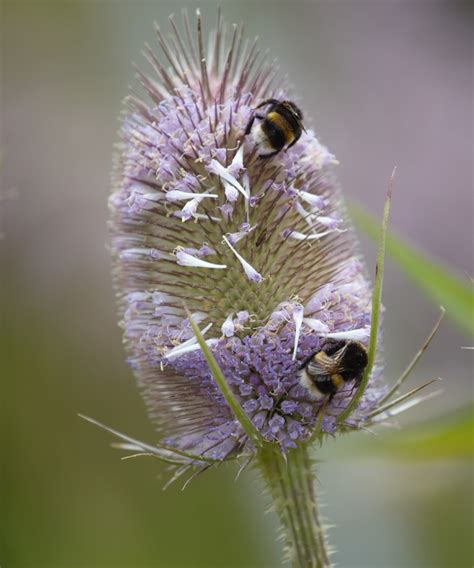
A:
[259, 251]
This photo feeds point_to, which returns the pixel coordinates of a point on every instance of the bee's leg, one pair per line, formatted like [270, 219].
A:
[266, 156]
[268, 102]
[294, 142]
[248, 128]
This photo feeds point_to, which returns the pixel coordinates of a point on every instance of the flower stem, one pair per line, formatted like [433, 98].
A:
[221, 382]
[290, 481]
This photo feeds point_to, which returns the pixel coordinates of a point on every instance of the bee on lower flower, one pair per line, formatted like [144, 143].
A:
[325, 372]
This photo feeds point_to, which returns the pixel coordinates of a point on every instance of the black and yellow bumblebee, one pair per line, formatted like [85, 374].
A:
[281, 126]
[327, 370]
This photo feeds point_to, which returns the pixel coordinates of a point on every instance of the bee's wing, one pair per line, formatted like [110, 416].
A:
[322, 364]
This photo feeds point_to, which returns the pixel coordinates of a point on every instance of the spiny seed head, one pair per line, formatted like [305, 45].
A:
[258, 250]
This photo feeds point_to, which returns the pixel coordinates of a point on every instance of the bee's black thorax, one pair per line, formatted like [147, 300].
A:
[354, 361]
[284, 111]
[337, 363]
[325, 384]
[278, 133]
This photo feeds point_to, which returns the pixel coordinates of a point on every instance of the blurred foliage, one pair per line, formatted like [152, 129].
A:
[448, 437]
[439, 282]
[448, 514]
[444, 438]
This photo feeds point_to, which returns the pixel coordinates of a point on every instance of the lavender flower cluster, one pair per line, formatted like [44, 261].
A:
[259, 251]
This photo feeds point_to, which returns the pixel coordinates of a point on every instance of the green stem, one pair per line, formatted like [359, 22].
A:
[290, 481]
[221, 382]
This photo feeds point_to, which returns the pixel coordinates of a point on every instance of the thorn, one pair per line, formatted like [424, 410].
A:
[391, 183]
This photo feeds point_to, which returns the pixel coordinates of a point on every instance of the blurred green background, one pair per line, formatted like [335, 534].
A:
[385, 83]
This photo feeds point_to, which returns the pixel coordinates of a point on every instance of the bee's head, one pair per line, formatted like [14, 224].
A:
[355, 357]
[294, 110]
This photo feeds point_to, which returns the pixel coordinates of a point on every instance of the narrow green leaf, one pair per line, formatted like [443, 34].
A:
[376, 302]
[221, 382]
[441, 283]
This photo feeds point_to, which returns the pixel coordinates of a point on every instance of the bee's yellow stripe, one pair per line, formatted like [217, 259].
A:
[283, 125]
[320, 356]
[337, 380]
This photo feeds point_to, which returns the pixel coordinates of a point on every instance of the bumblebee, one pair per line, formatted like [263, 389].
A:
[281, 126]
[325, 372]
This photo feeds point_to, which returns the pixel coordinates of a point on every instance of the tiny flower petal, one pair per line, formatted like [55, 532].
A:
[328, 221]
[179, 351]
[298, 319]
[308, 216]
[216, 168]
[186, 259]
[199, 216]
[234, 238]
[361, 334]
[231, 192]
[316, 201]
[250, 406]
[251, 273]
[137, 253]
[302, 236]
[242, 317]
[265, 402]
[237, 164]
[289, 406]
[316, 325]
[228, 327]
[177, 195]
[205, 250]
[191, 341]
[189, 210]
[227, 209]
[276, 423]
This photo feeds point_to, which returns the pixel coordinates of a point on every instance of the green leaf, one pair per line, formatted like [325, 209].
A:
[376, 302]
[221, 382]
[442, 284]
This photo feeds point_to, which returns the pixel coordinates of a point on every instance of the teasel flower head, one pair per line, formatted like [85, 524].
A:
[259, 250]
